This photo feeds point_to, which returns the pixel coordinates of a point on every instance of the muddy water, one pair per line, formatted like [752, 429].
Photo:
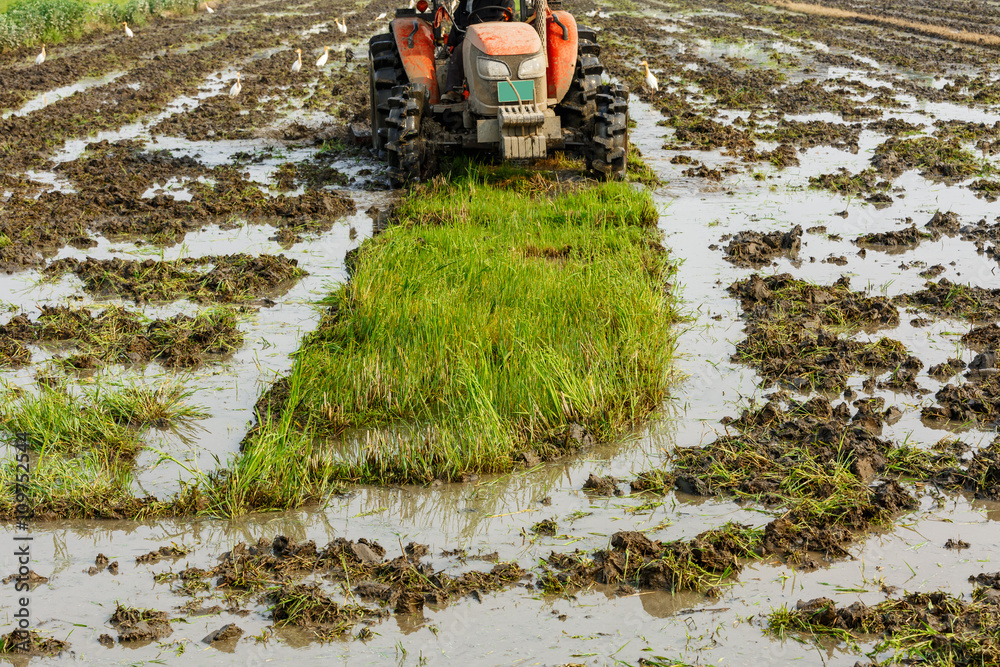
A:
[495, 514]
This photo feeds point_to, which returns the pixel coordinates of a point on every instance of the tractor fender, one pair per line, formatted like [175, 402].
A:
[415, 41]
[562, 54]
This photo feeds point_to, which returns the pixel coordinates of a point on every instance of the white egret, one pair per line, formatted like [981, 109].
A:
[235, 90]
[208, 8]
[128, 30]
[40, 58]
[650, 79]
[297, 65]
[341, 26]
[323, 58]
[382, 15]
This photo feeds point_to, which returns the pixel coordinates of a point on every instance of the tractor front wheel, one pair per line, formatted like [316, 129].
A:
[608, 149]
[410, 153]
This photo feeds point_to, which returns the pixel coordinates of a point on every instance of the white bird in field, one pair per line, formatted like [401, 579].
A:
[412, 3]
[235, 90]
[128, 30]
[377, 18]
[341, 26]
[323, 58]
[297, 65]
[650, 79]
[40, 58]
[208, 8]
[594, 12]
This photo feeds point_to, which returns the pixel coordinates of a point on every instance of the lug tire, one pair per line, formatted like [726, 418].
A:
[385, 72]
[578, 107]
[410, 154]
[608, 150]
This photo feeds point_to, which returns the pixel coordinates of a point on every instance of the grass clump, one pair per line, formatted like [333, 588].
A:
[866, 182]
[116, 335]
[83, 446]
[486, 326]
[228, 278]
[634, 562]
[937, 159]
[927, 628]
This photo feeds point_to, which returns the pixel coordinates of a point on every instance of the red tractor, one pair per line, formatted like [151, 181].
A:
[533, 86]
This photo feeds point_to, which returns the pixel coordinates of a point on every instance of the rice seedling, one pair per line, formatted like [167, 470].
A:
[161, 406]
[486, 325]
[83, 446]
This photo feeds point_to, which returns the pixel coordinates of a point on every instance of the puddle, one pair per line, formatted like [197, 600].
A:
[49, 97]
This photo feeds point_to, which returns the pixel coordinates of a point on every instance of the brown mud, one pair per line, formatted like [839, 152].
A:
[13, 644]
[793, 333]
[939, 627]
[118, 336]
[375, 585]
[230, 278]
[754, 249]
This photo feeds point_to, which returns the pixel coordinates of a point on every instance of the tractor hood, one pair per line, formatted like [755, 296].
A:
[504, 39]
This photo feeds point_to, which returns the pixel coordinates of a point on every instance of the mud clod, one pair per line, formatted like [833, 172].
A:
[754, 249]
[227, 633]
[30, 643]
[545, 527]
[140, 624]
[922, 627]
[237, 277]
[602, 486]
[161, 553]
[633, 559]
[904, 238]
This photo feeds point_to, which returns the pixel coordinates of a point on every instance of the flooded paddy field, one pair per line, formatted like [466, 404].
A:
[821, 486]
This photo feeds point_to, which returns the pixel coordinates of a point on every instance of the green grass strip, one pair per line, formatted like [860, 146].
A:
[501, 310]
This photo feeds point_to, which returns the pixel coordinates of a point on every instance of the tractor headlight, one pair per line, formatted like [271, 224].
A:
[532, 68]
[493, 69]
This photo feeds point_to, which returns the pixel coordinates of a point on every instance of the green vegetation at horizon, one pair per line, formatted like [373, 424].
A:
[31, 22]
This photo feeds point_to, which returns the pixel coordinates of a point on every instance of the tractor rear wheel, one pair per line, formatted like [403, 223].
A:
[578, 107]
[410, 153]
[608, 149]
[385, 72]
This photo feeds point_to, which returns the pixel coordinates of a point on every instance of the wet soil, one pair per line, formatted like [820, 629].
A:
[230, 277]
[377, 586]
[792, 333]
[118, 336]
[34, 645]
[947, 299]
[752, 248]
[138, 625]
[941, 628]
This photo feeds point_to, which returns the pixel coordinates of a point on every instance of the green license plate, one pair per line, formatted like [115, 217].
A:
[525, 90]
